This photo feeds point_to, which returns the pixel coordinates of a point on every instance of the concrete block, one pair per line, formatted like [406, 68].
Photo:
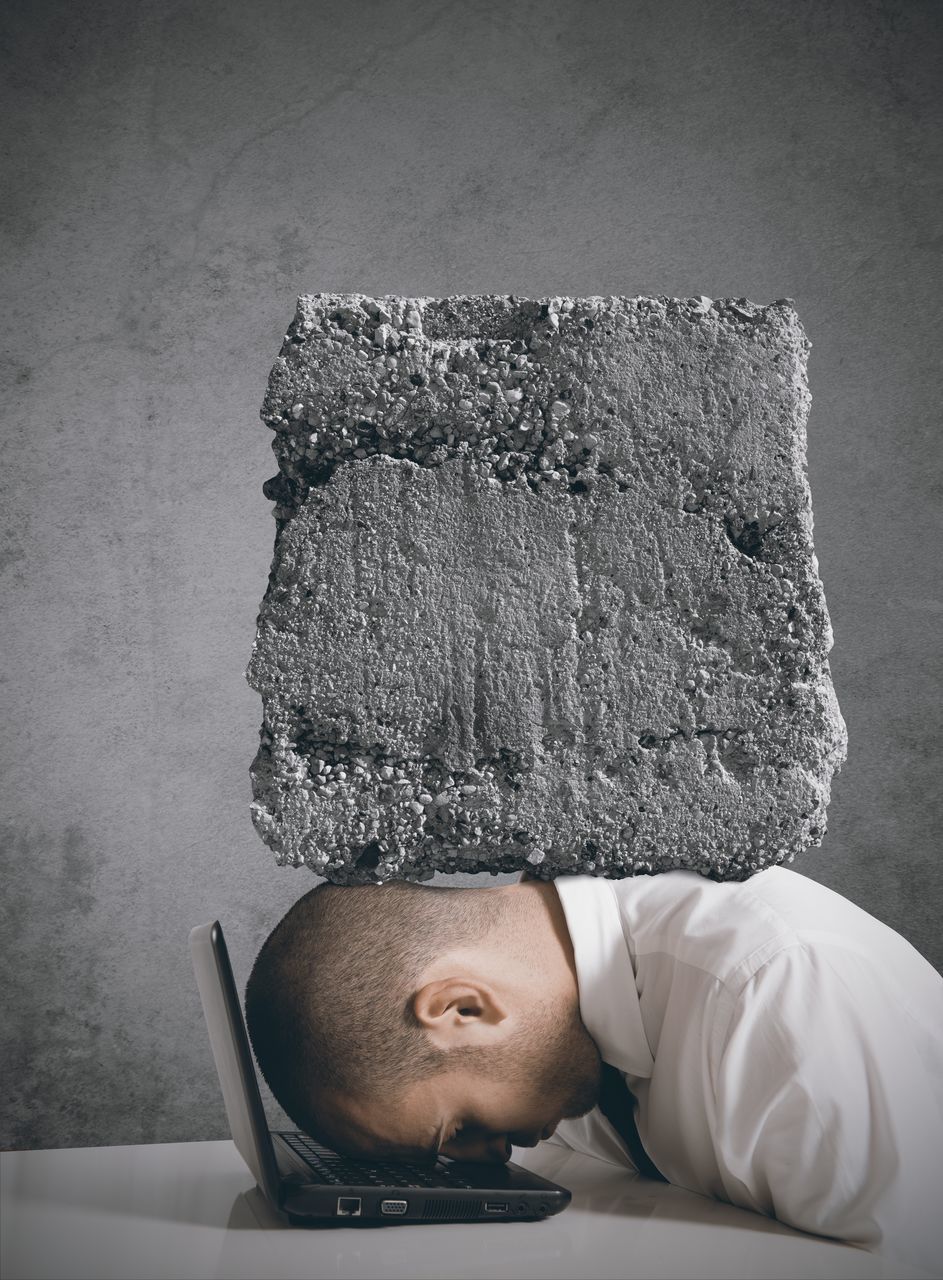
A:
[544, 592]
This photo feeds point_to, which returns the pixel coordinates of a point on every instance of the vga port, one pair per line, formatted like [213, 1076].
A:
[393, 1206]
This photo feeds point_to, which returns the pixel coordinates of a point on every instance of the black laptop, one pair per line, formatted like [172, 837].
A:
[313, 1184]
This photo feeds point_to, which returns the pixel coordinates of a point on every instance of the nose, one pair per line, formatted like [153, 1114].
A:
[486, 1149]
[502, 1149]
[493, 1150]
[531, 1139]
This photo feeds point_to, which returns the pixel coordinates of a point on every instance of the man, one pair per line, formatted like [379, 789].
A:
[785, 1047]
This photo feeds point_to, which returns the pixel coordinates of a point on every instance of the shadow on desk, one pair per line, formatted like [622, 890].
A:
[642, 1229]
[600, 1187]
[426, 1251]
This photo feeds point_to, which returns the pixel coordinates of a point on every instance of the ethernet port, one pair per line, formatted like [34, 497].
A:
[348, 1206]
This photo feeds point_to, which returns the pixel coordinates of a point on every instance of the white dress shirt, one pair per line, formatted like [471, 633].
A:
[785, 1047]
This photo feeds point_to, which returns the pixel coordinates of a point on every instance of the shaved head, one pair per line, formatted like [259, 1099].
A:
[327, 1002]
[400, 1020]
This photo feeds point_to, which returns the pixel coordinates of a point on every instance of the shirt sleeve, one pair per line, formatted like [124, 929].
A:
[829, 1113]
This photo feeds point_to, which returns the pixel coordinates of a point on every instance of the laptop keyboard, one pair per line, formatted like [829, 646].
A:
[340, 1170]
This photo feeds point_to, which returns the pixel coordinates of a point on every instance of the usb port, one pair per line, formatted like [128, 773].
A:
[392, 1206]
[496, 1206]
[348, 1206]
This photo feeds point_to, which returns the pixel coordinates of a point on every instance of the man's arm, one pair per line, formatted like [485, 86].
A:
[829, 1114]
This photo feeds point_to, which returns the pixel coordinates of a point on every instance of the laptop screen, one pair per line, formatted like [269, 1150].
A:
[232, 1055]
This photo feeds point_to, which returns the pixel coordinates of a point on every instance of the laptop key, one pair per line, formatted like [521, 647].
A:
[337, 1169]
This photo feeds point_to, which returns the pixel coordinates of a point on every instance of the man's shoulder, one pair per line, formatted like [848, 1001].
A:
[728, 929]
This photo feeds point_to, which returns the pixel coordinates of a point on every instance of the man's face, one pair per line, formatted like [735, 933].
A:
[515, 1095]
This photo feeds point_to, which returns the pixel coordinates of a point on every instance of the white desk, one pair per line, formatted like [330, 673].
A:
[190, 1210]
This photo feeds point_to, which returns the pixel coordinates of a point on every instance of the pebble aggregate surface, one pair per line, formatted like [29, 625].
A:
[544, 593]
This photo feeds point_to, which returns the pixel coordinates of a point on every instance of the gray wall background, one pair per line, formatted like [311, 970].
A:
[175, 175]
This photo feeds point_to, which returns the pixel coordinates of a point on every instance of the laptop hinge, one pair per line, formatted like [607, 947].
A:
[291, 1167]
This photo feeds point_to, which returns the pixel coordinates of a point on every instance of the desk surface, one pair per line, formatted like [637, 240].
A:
[191, 1210]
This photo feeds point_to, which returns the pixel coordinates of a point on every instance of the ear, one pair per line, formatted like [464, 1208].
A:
[460, 1011]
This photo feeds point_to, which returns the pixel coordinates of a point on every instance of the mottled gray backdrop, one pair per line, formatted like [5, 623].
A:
[175, 174]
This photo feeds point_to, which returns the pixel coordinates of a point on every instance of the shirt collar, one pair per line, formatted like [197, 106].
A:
[609, 1002]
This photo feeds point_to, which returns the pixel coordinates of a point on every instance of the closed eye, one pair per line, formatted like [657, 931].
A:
[453, 1136]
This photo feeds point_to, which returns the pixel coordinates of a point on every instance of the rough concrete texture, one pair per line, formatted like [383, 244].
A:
[544, 593]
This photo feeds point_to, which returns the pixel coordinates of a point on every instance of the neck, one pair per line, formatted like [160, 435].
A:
[544, 935]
